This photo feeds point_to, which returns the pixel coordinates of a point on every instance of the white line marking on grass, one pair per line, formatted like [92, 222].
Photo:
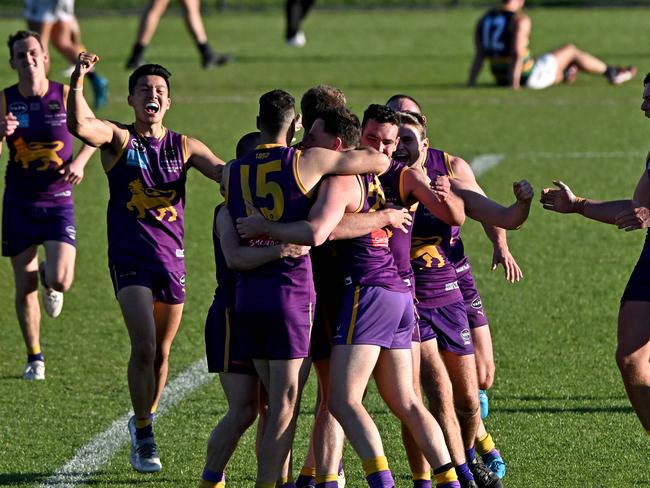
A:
[483, 163]
[102, 448]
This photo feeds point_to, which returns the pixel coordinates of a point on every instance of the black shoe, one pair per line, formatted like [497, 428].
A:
[483, 476]
[134, 62]
[467, 484]
[211, 59]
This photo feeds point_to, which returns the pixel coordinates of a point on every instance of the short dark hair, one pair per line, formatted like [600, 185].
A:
[415, 119]
[646, 80]
[146, 70]
[340, 122]
[277, 110]
[399, 96]
[20, 36]
[381, 114]
[247, 143]
[318, 99]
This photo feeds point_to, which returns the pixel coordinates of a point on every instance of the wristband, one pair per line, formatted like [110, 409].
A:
[77, 89]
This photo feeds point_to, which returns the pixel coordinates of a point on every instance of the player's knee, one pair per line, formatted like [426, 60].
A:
[25, 285]
[143, 352]
[243, 416]
[339, 406]
[468, 413]
[629, 363]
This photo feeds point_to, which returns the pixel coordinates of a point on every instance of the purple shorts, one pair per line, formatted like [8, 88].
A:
[473, 304]
[166, 286]
[638, 286]
[376, 316]
[222, 340]
[449, 325]
[24, 226]
[277, 327]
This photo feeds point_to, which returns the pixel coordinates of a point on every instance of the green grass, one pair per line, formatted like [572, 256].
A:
[558, 409]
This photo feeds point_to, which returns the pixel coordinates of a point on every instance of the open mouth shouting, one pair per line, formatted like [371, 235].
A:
[152, 108]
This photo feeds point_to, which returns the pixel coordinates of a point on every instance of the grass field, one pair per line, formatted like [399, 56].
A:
[558, 409]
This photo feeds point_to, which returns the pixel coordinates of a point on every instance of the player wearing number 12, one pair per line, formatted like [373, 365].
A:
[502, 35]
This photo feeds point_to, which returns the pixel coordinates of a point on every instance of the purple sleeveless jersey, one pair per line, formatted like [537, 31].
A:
[147, 198]
[267, 179]
[436, 284]
[368, 260]
[399, 242]
[39, 148]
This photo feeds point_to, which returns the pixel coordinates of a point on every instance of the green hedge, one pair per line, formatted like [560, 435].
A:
[96, 7]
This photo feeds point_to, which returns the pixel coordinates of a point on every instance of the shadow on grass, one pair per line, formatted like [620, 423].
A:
[570, 410]
[18, 479]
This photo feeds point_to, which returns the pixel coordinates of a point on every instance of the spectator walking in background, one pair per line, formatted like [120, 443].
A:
[194, 22]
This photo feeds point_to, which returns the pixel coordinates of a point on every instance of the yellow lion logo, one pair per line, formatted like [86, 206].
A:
[150, 198]
[45, 152]
[428, 252]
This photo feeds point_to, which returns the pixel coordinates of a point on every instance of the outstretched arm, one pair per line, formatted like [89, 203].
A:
[464, 176]
[82, 122]
[244, 258]
[200, 156]
[488, 212]
[625, 214]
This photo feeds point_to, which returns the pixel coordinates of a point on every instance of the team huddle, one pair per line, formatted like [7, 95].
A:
[342, 251]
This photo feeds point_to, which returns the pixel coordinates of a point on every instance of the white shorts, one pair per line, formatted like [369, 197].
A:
[49, 11]
[544, 72]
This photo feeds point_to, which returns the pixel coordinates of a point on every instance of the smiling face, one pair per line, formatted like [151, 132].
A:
[380, 136]
[411, 145]
[150, 99]
[28, 59]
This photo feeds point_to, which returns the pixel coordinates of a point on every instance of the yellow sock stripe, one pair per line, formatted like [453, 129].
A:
[374, 465]
[142, 423]
[425, 475]
[308, 471]
[485, 444]
[324, 478]
[264, 485]
[154, 407]
[34, 350]
[446, 476]
[212, 484]
[284, 481]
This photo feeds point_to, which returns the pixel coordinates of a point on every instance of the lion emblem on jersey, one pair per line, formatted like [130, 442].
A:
[45, 152]
[428, 252]
[151, 198]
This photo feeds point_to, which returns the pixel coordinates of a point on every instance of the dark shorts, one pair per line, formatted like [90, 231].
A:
[473, 304]
[275, 328]
[326, 316]
[376, 316]
[166, 286]
[24, 226]
[638, 286]
[448, 324]
[223, 341]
